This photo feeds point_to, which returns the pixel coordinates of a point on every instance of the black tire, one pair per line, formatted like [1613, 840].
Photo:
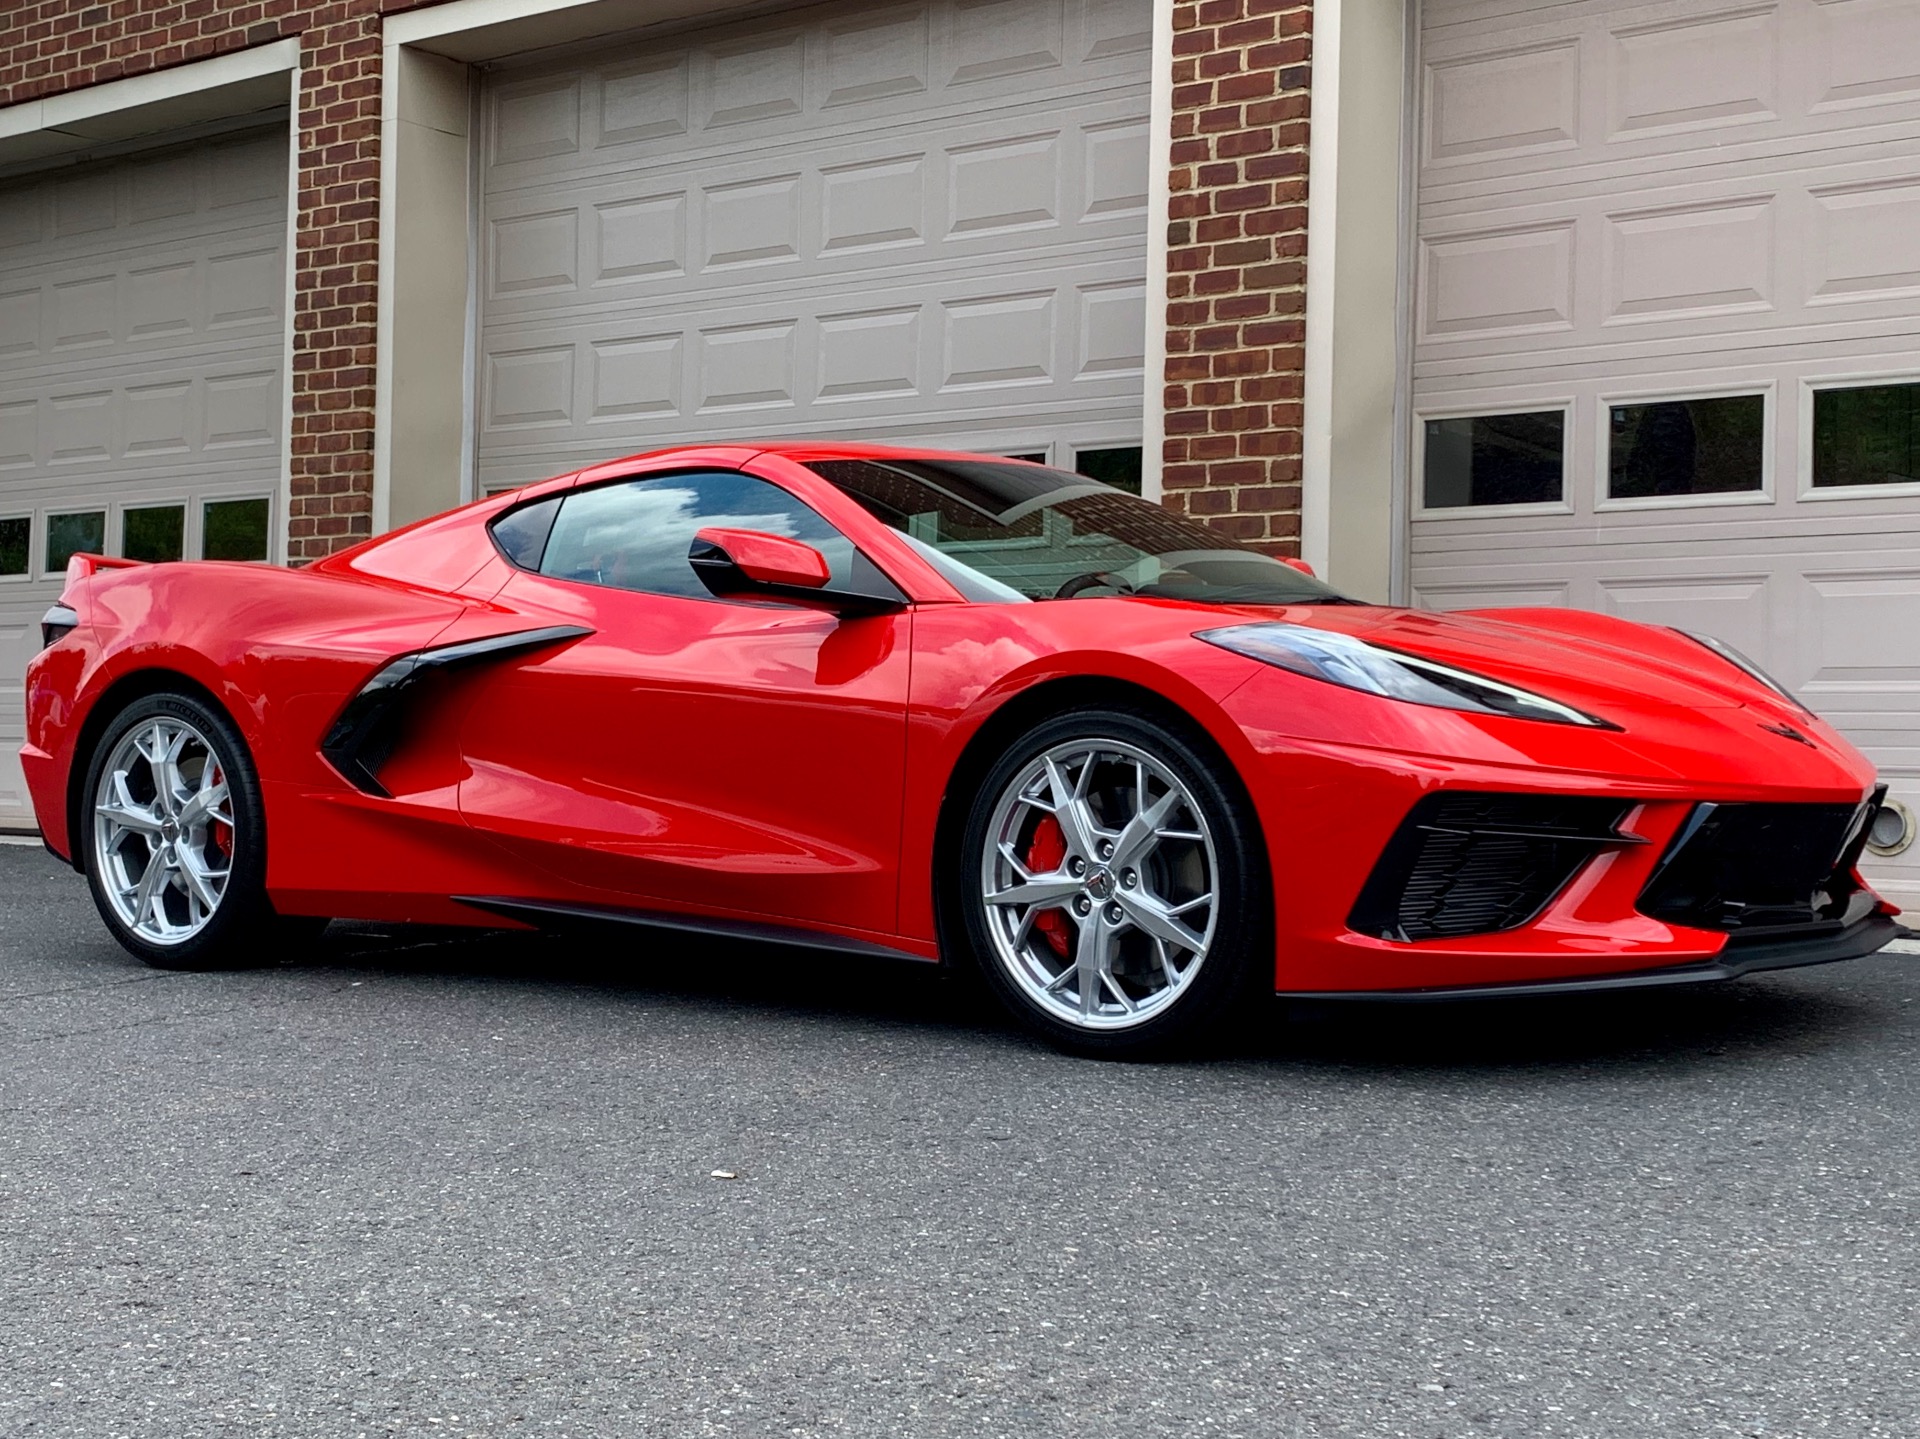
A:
[242, 930]
[1238, 962]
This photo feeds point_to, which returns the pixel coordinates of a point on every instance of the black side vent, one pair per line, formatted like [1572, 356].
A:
[1465, 864]
[364, 733]
[1747, 867]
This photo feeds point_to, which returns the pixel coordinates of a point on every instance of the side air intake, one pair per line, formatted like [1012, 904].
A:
[368, 727]
[1467, 863]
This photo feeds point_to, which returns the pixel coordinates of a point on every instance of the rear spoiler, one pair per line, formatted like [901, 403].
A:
[84, 567]
[81, 568]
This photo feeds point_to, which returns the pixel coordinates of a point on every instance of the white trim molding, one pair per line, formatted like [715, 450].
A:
[1153, 428]
[239, 83]
[281, 544]
[1351, 412]
[1323, 213]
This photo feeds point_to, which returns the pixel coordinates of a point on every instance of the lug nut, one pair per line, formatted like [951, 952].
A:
[1106, 849]
[1082, 905]
[1076, 866]
[1128, 879]
[1115, 914]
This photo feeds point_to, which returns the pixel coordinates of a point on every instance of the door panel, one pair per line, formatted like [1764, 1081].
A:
[700, 754]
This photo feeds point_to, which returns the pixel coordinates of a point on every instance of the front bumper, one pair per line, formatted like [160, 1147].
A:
[1855, 941]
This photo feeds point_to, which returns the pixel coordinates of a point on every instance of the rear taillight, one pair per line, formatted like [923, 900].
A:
[56, 624]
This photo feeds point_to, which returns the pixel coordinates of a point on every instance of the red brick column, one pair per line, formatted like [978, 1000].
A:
[1236, 287]
[336, 259]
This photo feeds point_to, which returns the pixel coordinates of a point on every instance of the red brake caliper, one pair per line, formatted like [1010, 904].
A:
[1045, 852]
[220, 833]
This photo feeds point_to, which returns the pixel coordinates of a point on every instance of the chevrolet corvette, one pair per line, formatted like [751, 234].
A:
[945, 707]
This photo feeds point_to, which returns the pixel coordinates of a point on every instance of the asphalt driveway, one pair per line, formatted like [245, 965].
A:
[429, 1186]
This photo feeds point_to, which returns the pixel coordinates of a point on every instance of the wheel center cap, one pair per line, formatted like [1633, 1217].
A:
[1100, 884]
[169, 831]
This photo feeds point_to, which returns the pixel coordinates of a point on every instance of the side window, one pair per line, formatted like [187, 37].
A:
[635, 535]
[522, 534]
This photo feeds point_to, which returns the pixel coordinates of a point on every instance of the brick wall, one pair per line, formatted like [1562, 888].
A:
[1236, 287]
[1237, 233]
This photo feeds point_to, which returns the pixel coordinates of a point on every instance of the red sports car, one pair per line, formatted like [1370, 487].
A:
[940, 706]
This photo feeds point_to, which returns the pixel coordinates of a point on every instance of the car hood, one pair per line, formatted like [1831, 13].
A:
[1592, 662]
[1675, 709]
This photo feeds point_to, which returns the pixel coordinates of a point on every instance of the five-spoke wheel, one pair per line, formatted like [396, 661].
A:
[1109, 882]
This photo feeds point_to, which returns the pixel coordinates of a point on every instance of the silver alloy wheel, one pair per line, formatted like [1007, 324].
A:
[163, 830]
[1136, 885]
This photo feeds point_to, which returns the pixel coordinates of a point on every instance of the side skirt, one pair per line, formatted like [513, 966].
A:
[542, 914]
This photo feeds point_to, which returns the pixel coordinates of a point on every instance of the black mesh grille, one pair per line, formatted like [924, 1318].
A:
[1759, 866]
[1465, 864]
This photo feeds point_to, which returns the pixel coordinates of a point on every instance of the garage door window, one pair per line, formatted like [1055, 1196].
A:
[1663, 449]
[1118, 465]
[1471, 461]
[16, 537]
[154, 533]
[1867, 435]
[83, 532]
[234, 529]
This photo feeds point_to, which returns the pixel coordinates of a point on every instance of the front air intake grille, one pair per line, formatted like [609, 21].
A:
[1465, 864]
[1746, 867]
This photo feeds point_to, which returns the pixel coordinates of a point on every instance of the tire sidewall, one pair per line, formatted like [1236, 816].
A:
[1241, 952]
[222, 943]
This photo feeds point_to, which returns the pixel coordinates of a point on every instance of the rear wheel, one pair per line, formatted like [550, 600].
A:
[176, 837]
[1114, 885]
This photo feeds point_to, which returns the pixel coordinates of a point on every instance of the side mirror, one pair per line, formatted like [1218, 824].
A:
[751, 564]
[751, 561]
[1300, 565]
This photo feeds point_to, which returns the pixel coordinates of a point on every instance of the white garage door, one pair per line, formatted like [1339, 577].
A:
[141, 352]
[1667, 349]
[919, 222]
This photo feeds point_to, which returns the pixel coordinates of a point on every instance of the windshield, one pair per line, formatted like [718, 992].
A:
[1002, 532]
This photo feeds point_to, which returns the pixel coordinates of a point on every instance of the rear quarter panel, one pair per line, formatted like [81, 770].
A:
[278, 650]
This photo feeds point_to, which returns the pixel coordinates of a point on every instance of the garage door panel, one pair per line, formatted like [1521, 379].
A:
[14, 645]
[173, 410]
[902, 69]
[944, 228]
[1865, 53]
[882, 349]
[1576, 91]
[141, 357]
[923, 221]
[819, 211]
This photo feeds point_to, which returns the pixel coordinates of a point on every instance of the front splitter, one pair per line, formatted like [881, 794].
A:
[1856, 941]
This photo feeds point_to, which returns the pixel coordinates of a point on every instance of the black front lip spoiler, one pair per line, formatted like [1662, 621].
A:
[1856, 941]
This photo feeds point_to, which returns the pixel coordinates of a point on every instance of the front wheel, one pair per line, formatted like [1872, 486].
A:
[176, 837]
[1114, 885]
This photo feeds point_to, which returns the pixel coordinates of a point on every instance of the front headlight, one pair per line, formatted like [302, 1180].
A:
[1392, 674]
[1746, 666]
